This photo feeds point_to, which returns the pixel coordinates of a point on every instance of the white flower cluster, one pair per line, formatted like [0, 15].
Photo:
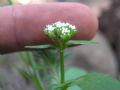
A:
[61, 30]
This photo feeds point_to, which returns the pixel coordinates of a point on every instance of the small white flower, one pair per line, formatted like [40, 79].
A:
[67, 24]
[59, 24]
[50, 28]
[73, 27]
[64, 31]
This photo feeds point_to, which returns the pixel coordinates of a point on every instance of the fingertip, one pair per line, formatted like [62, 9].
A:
[86, 22]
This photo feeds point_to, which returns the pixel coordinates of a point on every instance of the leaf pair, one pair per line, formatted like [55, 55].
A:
[69, 43]
[80, 80]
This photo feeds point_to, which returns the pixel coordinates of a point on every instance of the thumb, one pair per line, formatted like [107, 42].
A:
[24, 25]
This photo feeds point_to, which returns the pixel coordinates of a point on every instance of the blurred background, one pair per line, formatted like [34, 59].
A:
[103, 57]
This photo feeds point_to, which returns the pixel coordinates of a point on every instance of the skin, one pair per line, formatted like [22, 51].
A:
[24, 25]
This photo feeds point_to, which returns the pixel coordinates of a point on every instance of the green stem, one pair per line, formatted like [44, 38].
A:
[10, 2]
[62, 66]
[36, 72]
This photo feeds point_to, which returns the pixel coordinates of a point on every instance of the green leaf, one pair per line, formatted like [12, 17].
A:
[10, 2]
[25, 72]
[1, 59]
[70, 76]
[39, 46]
[95, 81]
[79, 42]
[74, 73]
[92, 81]
[74, 87]
[24, 57]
